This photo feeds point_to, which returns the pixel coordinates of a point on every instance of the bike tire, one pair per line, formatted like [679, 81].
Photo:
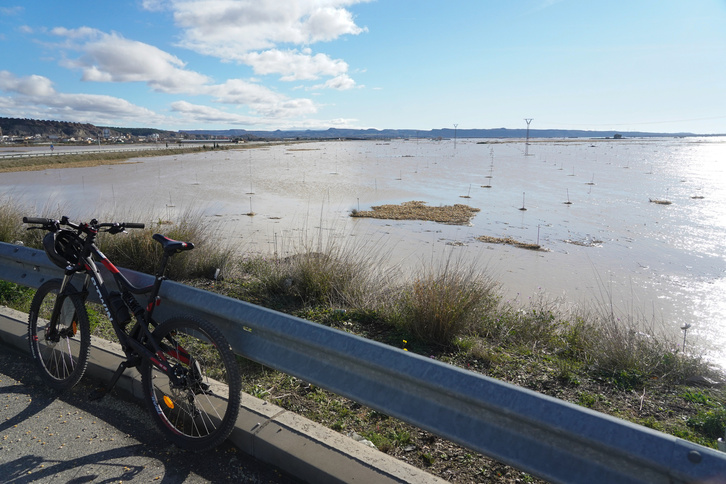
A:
[199, 410]
[61, 356]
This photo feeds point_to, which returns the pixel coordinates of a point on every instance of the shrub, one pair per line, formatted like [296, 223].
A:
[444, 302]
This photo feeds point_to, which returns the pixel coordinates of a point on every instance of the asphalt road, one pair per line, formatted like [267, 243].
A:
[47, 437]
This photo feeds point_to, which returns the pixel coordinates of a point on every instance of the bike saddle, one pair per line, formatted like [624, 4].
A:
[172, 246]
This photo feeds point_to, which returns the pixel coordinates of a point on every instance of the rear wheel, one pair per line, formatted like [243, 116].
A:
[59, 345]
[197, 404]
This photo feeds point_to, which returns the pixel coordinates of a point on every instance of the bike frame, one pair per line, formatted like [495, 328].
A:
[137, 344]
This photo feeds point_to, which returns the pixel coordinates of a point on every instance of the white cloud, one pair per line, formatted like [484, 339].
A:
[36, 94]
[37, 86]
[258, 33]
[79, 33]
[260, 99]
[342, 83]
[248, 25]
[153, 5]
[294, 65]
[113, 58]
[328, 23]
[10, 11]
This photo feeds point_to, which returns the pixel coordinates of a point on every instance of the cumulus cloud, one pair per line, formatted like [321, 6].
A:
[261, 100]
[250, 25]
[272, 37]
[341, 83]
[37, 86]
[294, 65]
[113, 58]
[259, 32]
[37, 93]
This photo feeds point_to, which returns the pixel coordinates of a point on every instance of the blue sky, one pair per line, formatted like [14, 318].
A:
[646, 65]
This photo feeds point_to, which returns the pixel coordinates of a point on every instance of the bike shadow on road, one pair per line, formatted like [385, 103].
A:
[46, 436]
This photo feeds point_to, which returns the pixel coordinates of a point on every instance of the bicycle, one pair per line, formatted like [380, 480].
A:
[189, 374]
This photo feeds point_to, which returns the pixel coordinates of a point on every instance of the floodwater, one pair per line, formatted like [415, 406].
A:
[609, 246]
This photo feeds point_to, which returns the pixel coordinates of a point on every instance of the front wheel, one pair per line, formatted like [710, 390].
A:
[197, 402]
[59, 344]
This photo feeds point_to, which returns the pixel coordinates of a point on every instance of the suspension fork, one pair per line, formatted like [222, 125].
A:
[52, 332]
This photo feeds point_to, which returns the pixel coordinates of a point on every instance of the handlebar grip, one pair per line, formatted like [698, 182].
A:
[133, 225]
[38, 220]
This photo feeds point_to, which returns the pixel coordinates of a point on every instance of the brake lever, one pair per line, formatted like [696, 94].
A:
[116, 229]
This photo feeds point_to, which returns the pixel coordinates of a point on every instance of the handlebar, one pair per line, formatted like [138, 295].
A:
[37, 220]
[54, 225]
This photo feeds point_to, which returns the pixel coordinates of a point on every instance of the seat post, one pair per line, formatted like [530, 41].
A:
[158, 279]
[162, 265]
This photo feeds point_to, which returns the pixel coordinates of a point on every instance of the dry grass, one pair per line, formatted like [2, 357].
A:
[138, 251]
[12, 229]
[457, 214]
[325, 271]
[509, 241]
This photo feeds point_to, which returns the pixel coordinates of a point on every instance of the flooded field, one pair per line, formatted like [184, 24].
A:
[639, 223]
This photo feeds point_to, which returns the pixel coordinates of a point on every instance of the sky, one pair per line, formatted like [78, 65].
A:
[624, 65]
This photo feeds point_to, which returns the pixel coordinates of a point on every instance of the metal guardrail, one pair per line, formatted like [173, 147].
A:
[549, 438]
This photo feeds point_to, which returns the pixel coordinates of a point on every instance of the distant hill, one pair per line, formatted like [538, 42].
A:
[49, 129]
[18, 127]
[335, 133]
[22, 128]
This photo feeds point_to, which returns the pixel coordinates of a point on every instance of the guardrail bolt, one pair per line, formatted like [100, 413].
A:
[695, 456]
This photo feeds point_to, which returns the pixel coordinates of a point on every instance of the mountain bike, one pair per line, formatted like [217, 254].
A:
[189, 374]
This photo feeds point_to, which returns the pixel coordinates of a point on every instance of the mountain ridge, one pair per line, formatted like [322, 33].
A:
[371, 133]
[18, 127]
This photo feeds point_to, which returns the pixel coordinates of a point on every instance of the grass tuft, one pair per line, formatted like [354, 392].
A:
[444, 302]
[138, 251]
